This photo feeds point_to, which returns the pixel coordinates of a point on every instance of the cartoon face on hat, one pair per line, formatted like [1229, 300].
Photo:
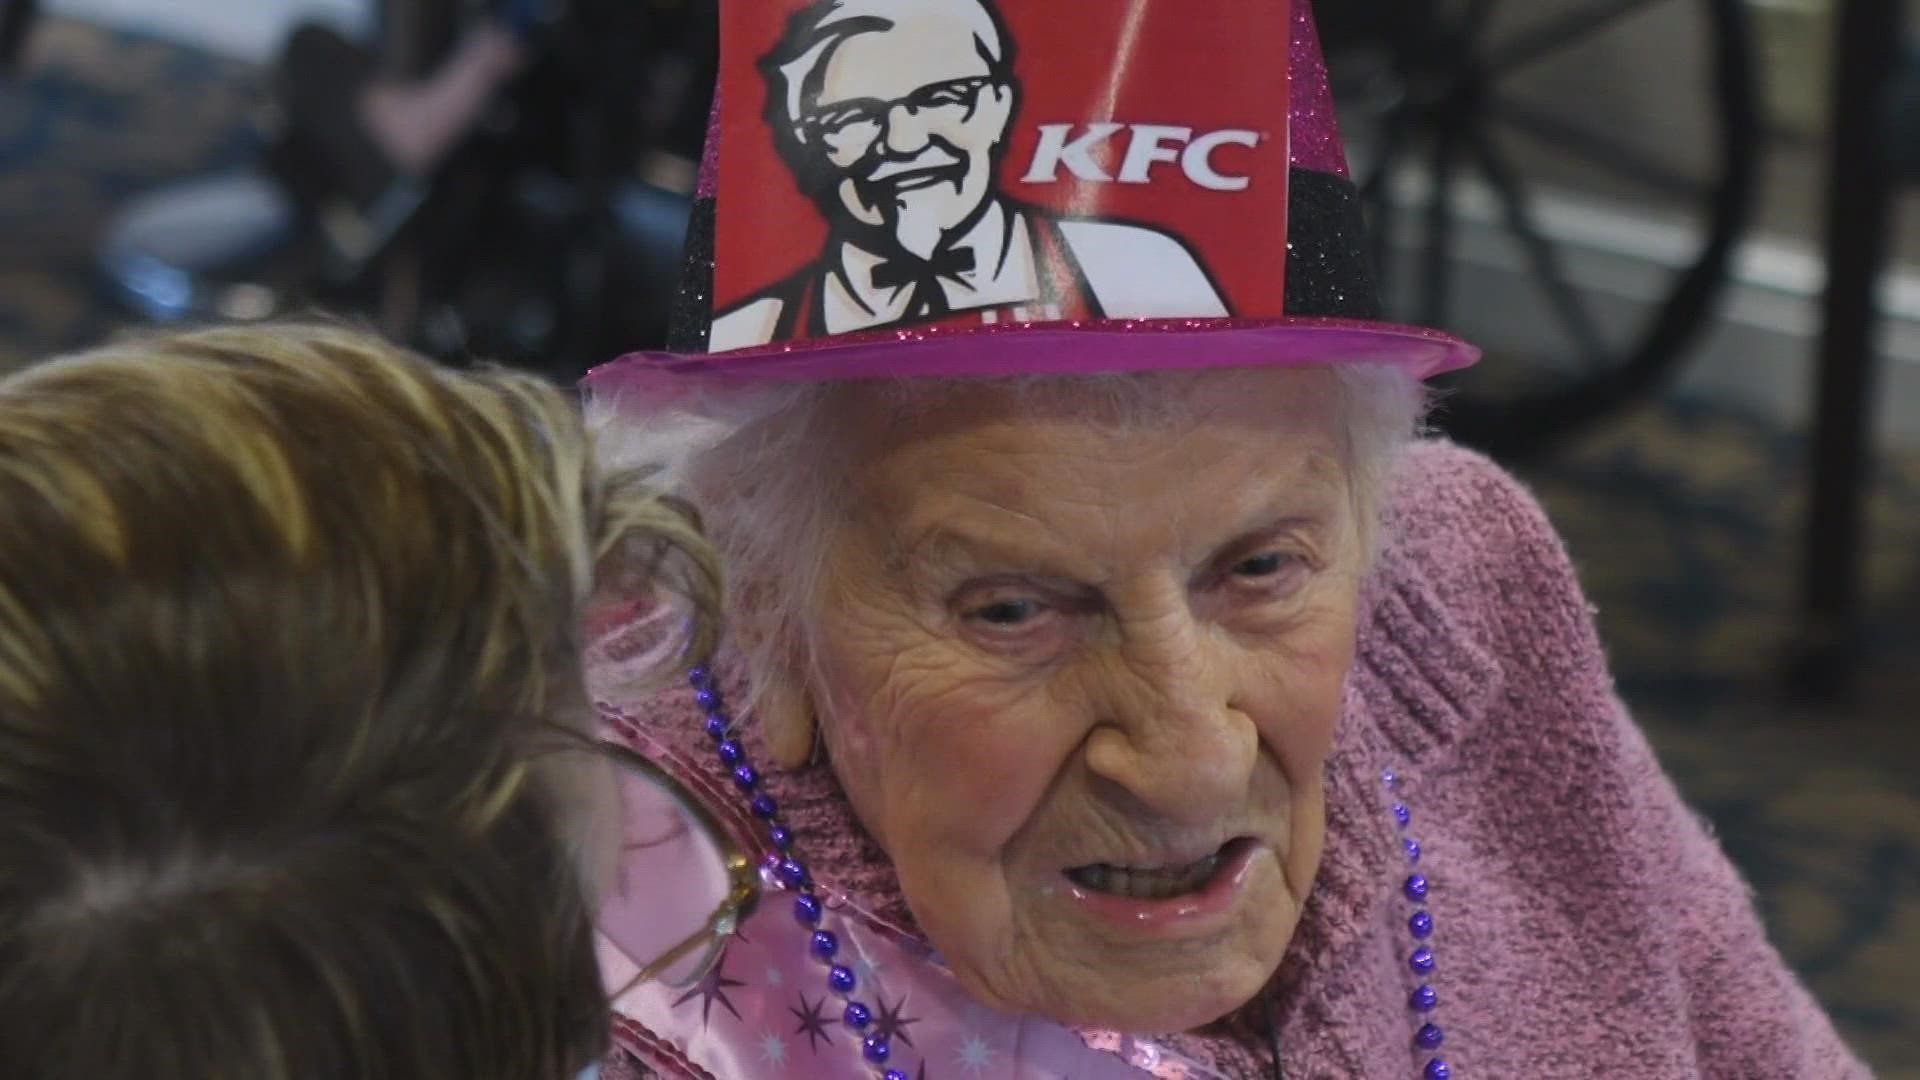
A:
[897, 121]
[893, 117]
[984, 187]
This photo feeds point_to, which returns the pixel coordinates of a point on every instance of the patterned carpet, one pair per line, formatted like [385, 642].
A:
[1685, 523]
[1683, 520]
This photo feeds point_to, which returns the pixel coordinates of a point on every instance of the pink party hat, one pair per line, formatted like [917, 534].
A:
[995, 187]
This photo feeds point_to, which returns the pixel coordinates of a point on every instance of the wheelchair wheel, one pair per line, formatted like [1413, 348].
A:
[1464, 166]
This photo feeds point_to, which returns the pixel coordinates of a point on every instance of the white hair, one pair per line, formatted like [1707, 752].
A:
[770, 469]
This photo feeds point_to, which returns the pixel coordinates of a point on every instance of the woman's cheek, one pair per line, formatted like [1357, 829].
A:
[983, 757]
[886, 698]
[1300, 693]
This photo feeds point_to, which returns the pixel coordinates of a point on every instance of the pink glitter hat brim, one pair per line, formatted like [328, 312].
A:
[1101, 346]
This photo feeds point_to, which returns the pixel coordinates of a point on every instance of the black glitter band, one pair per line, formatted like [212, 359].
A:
[1329, 272]
[692, 314]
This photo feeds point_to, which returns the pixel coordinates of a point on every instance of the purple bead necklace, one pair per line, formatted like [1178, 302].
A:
[787, 869]
[824, 944]
[1416, 888]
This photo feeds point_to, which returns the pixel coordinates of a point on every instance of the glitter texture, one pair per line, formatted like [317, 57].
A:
[692, 313]
[1329, 269]
[1312, 126]
[709, 181]
[1094, 346]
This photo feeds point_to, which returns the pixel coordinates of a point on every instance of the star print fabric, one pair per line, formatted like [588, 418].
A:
[764, 1010]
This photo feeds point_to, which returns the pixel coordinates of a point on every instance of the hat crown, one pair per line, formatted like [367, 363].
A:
[970, 162]
[1316, 142]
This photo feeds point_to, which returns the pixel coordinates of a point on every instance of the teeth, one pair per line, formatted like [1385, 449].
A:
[1145, 884]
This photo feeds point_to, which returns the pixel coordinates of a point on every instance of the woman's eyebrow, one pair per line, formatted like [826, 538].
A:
[957, 543]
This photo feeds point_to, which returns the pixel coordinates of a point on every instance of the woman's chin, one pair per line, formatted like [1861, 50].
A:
[1154, 992]
[1217, 952]
[1182, 1014]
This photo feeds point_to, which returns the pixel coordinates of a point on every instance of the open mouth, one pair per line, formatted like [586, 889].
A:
[1157, 882]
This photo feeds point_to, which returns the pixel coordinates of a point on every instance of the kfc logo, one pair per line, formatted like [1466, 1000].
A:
[1147, 145]
[893, 118]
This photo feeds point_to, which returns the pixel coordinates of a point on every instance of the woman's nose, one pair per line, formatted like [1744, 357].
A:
[1173, 737]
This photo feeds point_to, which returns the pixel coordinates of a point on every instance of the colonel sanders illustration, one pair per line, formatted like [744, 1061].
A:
[893, 116]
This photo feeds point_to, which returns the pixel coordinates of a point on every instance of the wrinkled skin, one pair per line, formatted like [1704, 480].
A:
[1048, 639]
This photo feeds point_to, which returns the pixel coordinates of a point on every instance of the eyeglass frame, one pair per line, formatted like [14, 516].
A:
[743, 871]
[877, 110]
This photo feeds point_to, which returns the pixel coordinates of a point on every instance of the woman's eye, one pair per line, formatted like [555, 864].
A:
[1007, 612]
[1261, 566]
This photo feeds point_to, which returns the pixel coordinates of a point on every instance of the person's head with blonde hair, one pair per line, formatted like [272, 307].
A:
[289, 632]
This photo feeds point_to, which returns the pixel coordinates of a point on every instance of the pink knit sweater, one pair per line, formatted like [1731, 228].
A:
[1587, 923]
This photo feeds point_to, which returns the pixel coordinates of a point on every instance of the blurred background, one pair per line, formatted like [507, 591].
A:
[1680, 227]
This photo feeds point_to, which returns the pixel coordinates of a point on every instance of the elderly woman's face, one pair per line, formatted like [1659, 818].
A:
[1081, 678]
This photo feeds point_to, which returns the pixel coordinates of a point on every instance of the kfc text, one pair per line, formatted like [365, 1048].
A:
[1146, 146]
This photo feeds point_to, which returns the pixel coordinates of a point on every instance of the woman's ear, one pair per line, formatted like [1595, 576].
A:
[787, 720]
[782, 704]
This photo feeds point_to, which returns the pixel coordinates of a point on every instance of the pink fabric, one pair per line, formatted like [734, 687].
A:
[751, 1014]
[662, 843]
[1588, 925]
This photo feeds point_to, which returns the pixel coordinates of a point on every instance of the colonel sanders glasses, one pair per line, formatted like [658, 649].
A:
[859, 122]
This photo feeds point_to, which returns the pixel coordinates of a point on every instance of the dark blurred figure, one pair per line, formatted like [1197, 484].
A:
[509, 177]
[15, 17]
[371, 118]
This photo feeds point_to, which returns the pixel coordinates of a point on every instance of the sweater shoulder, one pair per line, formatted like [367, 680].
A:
[1473, 534]
[1478, 618]
[1450, 506]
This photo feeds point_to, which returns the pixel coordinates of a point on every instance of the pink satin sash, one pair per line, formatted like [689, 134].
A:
[764, 1011]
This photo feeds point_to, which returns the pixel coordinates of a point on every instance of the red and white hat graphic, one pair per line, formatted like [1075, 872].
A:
[992, 187]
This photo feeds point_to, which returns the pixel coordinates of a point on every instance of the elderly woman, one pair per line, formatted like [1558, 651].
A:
[1136, 695]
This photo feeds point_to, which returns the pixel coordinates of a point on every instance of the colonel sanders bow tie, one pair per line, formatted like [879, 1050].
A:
[923, 277]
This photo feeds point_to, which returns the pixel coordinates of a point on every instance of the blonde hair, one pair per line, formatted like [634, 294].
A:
[289, 620]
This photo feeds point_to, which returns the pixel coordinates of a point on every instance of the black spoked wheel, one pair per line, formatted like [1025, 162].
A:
[1488, 137]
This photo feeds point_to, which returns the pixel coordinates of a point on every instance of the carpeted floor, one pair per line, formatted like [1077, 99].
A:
[1684, 520]
[1685, 523]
